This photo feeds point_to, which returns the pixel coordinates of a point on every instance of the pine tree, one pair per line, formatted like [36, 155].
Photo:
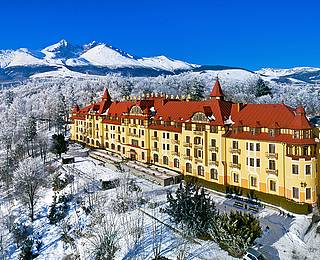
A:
[191, 208]
[196, 90]
[261, 89]
[59, 145]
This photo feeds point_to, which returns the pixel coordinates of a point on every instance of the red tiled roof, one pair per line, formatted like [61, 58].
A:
[182, 111]
[169, 128]
[110, 121]
[216, 90]
[270, 116]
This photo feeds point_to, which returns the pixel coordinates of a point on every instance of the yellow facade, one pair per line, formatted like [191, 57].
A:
[208, 152]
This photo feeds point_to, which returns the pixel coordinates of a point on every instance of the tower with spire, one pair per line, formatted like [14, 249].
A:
[216, 92]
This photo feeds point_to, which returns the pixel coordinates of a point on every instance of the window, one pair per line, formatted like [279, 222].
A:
[199, 155]
[197, 140]
[168, 147]
[200, 170]
[258, 163]
[176, 137]
[163, 135]
[236, 177]
[296, 134]
[168, 136]
[188, 152]
[213, 157]
[235, 159]
[272, 164]
[308, 193]
[142, 132]
[176, 163]
[305, 151]
[272, 185]
[272, 132]
[165, 160]
[135, 142]
[155, 134]
[295, 169]
[214, 174]
[253, 181]
[188, 127]
[272, 148]
[213, 142]
[155, 144]
[308, 169]
[251, 146]
[163, 146]
[295, 193]
[251, 162]
[257, 147]
[142, 155]
[188, 139]
[155, 158]
[234, 144]
[213, 129]
[142, 143]
[188, 168]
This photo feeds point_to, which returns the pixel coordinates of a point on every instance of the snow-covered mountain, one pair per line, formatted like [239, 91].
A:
[93, 58]
[291, 75]
[64, 59]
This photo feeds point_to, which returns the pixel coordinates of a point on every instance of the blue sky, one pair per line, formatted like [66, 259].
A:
[250, 34]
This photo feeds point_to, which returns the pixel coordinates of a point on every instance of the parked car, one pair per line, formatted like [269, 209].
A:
[254, 254]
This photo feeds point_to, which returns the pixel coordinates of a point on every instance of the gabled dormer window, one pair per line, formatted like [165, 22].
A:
[272, 132]
[296, 134]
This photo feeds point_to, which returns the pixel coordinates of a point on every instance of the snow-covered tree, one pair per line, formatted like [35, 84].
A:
[29, 178]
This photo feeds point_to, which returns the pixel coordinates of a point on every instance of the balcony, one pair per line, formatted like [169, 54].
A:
[235, 165]
[175, 141]
[155, 138]
[175, 153]
[198, 132]
[187, 144]
[198, 160]
[155, 149]
[133, 135]
[272, 155]
[198, 146]
[213, 149]
[234, 150]
[214, 163]
[187, 157]
[271, 171]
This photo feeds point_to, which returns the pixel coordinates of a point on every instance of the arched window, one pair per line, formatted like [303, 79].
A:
[107, 145]
[214, 174]
[136, 110]
[97, 143]
[200, 170]
[199, 117]
[113, 146]
[188, 167]
[176, 163]
[165, 160]
[119, 148]
[156, 158]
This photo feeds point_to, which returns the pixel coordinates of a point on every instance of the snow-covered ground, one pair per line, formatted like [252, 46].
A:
[285, 238]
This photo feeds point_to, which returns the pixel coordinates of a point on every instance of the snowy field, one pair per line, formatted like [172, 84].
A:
[284, 239]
